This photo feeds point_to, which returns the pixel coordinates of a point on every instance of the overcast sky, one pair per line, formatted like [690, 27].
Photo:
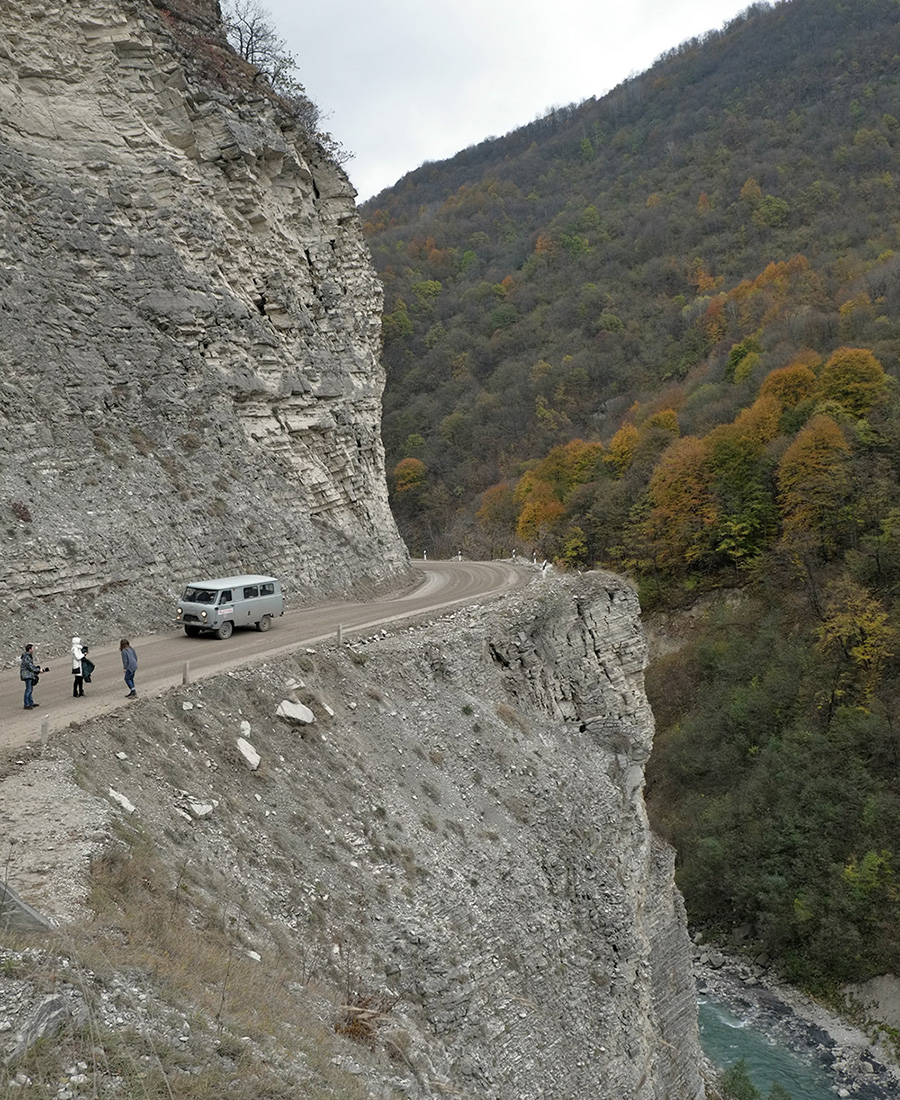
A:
[402, 82]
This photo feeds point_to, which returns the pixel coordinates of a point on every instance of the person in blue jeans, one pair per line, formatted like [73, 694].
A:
[29, 670]
[129, 663]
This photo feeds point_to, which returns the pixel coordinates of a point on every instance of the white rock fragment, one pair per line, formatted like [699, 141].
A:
[201, 809]
[187, 706]
[255, 955]
[245, 728]
[122, 801]
[121, 755]
[249, 753]
[296, 712]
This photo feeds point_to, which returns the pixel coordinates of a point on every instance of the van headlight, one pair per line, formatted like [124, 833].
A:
[178, 613]
[202, 614]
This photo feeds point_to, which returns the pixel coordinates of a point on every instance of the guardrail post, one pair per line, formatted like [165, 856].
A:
[186, 673]
[340, 634]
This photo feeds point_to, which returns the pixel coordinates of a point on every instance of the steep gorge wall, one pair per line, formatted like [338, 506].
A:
[460, 835]
[189, 325]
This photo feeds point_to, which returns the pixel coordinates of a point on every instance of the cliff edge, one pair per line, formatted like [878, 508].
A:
[431, 846]
[189, 326]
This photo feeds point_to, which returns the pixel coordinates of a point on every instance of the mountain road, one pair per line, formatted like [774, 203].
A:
[164, 658]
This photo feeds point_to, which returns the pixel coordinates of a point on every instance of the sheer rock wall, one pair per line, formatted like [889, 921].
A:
[189, 325]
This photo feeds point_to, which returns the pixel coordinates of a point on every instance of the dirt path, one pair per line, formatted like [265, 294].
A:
[164, 659]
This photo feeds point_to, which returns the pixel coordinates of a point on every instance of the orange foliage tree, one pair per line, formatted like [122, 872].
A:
[777, 289]
[542, 491]
[540, 510]
[683, 514]
[760, 421]
[812, 486]
[409, 473]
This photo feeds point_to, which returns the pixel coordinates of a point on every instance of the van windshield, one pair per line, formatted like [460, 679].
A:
[200, 595]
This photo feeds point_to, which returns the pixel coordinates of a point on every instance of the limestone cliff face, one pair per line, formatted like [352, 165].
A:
[189, 322]
[459, 839]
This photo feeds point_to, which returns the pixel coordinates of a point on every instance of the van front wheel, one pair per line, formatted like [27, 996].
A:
[192, 631]
[225, 630]
[264, 623]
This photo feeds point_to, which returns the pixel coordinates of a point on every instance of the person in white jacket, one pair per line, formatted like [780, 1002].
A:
[78, 652]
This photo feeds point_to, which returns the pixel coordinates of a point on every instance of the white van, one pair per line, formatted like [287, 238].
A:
[218, 606]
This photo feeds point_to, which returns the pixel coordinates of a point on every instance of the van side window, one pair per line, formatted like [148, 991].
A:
[251, 591]
[226, 596]
[267, 589]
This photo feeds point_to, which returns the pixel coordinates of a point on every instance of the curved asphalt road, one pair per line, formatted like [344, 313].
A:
[162, 657]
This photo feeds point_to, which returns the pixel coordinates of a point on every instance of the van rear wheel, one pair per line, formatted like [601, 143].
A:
[225, 630]
[264, 623]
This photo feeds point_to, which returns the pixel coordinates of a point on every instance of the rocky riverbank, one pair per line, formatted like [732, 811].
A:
[857, 1065]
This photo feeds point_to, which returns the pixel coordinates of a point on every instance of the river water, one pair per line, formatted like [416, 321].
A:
[727, 1038]
[793, 1045]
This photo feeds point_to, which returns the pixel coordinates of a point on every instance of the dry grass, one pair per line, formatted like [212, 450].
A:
[255, 1033]
[510, 717]
[363, 1016]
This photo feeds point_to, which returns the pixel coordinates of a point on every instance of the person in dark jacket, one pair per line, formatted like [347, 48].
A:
[29, 671]
[129, 663]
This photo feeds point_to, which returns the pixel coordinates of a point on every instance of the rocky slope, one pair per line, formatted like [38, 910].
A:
[189, 325]
[444, 884]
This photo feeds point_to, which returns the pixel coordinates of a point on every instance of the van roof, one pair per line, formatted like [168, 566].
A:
[231, 582]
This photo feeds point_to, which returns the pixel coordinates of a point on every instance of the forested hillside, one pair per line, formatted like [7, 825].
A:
[660, 331]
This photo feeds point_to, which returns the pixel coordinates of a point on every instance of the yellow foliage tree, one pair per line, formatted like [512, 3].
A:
[666, 420]
[854, 378]
[789, 385]
[857, 632]
[620, 452]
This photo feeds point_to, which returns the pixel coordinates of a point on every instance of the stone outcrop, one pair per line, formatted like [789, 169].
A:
[189, 324]
[457, 845]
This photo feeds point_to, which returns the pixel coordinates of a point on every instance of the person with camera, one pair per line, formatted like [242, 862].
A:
[30, 671]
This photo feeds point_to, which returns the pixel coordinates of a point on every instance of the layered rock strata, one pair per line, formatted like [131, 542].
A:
[189, 323]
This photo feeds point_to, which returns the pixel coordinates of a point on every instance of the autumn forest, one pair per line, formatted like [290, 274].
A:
[659, 332]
